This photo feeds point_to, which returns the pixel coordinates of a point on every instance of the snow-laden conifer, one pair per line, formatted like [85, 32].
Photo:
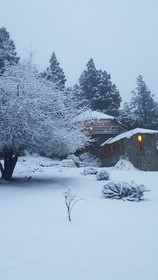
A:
[142, 110]
[8, 54]
[55, 73]
[98, 90]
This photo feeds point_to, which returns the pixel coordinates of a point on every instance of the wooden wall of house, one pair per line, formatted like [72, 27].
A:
[98, 140]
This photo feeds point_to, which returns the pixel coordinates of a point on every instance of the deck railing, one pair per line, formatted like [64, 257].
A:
[105, 130]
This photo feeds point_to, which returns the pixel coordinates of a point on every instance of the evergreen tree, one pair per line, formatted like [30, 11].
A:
[107, 98]
[127, 117]
[8, 53]
[88, 81]
[142, 110]
[96, 87]
[55, 73]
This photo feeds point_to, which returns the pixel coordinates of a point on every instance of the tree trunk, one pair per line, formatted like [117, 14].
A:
[10, 161]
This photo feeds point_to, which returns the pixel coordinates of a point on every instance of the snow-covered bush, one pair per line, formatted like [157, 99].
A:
[67, 163]
[89, 160]
[75, 159]
[90, 171]
[103, 175]
[124, 190]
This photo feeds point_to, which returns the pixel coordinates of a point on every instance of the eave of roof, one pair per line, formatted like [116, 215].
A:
[129, 134]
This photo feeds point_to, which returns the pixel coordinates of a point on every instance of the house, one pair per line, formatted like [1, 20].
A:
[139, 145]
[99, 126]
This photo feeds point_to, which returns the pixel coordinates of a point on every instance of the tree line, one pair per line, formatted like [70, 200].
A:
[37, 110]
[95, 89]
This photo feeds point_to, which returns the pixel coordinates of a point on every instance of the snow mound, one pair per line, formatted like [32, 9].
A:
[124, 164]
[34, 163]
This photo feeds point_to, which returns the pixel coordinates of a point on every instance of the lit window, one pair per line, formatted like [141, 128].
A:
[140, 144]
[140, 138]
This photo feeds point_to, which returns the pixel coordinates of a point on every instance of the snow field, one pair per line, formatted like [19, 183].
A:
[107, 239]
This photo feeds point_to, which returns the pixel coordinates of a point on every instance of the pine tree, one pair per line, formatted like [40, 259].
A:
[142, 110]
[143, 105]
[107, 98]
[88, 81]
[96, 87]
[127, 117]
[8, 53]
[55, 73]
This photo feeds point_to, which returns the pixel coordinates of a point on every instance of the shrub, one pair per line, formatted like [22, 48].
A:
[89, 160]
[75, 159]
[90, 171]
[67, 163]
[124, 190]
[103, 175]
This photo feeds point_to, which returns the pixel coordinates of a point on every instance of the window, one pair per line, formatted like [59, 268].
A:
[118, 146]
[114, 147]
[105, 150]
[140, 142]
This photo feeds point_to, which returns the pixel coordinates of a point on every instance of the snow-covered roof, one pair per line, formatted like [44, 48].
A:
[129, 134]
[93, 115]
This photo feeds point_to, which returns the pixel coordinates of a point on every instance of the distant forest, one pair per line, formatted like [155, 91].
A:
[94, 89]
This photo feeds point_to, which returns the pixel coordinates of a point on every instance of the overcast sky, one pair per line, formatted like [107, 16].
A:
[120, 35]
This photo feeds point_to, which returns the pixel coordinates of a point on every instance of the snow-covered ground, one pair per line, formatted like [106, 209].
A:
[107, 239]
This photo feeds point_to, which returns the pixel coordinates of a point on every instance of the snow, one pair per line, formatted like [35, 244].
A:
[124, 164]
[92, 115]
[129, 134]
[107, 239]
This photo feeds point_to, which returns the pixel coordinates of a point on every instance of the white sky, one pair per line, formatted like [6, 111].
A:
[120, 35]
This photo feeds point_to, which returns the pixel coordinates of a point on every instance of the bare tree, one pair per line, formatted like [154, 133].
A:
[70, 201]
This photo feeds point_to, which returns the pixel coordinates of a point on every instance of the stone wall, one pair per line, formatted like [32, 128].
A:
[145, 158]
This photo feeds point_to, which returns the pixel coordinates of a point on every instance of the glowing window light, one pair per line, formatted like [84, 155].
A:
[139, 138]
